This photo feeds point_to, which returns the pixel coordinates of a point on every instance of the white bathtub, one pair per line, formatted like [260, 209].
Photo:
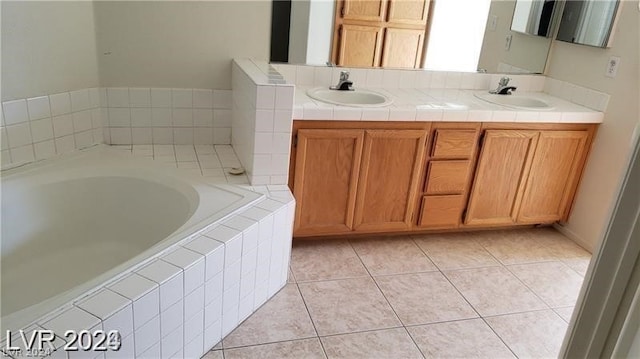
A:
[72, 225]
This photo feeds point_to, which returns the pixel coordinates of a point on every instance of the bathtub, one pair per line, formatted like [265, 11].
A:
[72, 225]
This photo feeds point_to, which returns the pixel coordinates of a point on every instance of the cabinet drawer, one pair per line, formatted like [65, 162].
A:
[454, 143]
[447, 177]
[441, 211]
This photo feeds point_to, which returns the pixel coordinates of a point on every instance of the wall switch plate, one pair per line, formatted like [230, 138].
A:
[493, 22]
[612, 66]
[507, 42]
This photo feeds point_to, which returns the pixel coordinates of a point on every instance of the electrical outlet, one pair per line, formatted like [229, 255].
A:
[507, 42]
[493, 22]
[612, 66]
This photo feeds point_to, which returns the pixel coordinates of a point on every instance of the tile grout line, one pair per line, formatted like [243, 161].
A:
[306, 307]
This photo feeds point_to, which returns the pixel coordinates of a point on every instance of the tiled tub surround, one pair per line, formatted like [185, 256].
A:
[144, 116]
[183, 302]
[42, 127]
[262, 121]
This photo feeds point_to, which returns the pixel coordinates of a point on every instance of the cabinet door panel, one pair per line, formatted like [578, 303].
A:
[402, 48]
[364, 10]
[412, 12]
[360, 46]
[447, 177]
[326, 174]
[388, 185]
[505, 159]
[554, 171]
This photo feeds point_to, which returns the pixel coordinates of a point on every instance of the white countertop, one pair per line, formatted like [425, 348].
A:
[442, 105]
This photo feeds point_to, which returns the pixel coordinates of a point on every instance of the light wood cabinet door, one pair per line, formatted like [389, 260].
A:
[505, 160]
[388, 187]
[326, 174]
[360, 46]
[554, 173]
[412, 12]
[402, 48]
[364, 10]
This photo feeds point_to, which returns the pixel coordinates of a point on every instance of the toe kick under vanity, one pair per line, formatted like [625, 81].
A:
[485, 166]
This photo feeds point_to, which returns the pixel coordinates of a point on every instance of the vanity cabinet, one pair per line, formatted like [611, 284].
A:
[398, 177]
[526, 176]
[356, 179]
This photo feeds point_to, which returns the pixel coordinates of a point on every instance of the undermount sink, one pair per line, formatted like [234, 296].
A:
[355, 98]
[515, 101]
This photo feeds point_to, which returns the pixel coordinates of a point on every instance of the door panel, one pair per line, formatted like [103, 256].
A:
[505, 159]
[402, 48]
[554, 171]
[391, 165]
[360, 46]
[326, 174]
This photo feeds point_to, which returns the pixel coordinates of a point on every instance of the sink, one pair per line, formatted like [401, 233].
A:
[356, 98]
[515, 101]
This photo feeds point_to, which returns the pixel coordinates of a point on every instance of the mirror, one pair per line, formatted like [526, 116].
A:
[587, 22]
[533, 17]
[494, 46]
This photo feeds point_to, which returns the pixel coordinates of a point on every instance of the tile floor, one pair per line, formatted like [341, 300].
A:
[497, 294]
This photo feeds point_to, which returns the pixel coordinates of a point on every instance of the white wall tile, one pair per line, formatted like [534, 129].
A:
[172, 318]
[122, 321]
[183, 136]
[203, 117]
[266, 97]
[161, 117]
[222, 99]
[147, 336]
[120, 135]
[213, 288]
[305, 75]
[44, 149]
[141, 117]
[193, 265]
[23, 154]
[119, 117]
[65, 144]
[81, 121]
[194, 302]
[194, 349]
[163, 135]
[222, 118]
[19, 135]
[160, 97]
[83, 139]
[140, 97]
[213, 252]
[15, 112]
[182, 98]
[80, 100]
[203, 136]
[60, 104]
[39, 107]
[284, 97]
[182, 117]
[71, 319]
[172, 343]
[62, 125]
[118, 97]
[202, 98]
[282, 121]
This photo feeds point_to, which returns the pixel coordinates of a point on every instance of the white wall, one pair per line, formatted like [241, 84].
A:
[188, 44]
[47, 47]
[585, 66]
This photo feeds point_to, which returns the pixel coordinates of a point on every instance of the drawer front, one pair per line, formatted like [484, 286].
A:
[447, 177]
[441, 211]
[454, 143]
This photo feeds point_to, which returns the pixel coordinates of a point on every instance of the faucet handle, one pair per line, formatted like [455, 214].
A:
[504, 81]
[344, 75]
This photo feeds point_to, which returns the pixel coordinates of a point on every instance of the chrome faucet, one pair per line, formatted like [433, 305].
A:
[344, 84]
[503, 87]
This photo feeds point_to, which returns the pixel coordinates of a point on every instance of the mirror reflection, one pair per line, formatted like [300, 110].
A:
[587, 22]
[533, 17]
[460, 35]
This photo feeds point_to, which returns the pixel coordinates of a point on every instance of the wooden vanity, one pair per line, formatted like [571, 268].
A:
[356, 177]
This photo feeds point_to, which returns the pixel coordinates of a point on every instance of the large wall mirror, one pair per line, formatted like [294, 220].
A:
[460, 35]
[588, 22]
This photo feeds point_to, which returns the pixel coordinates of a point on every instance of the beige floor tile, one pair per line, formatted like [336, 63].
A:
[494, 291]
[305, 348]
[554, 282]
[531, 335]
[559, 245]
[325, 259]
[564, 313]
[460, 339]
[455, 251]
[515, 247]
[392, 255]
[214, 354]
[348, 305]
[390, 343]
[284, 317]
[423, 298]
[580, 265]
[290, 277]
